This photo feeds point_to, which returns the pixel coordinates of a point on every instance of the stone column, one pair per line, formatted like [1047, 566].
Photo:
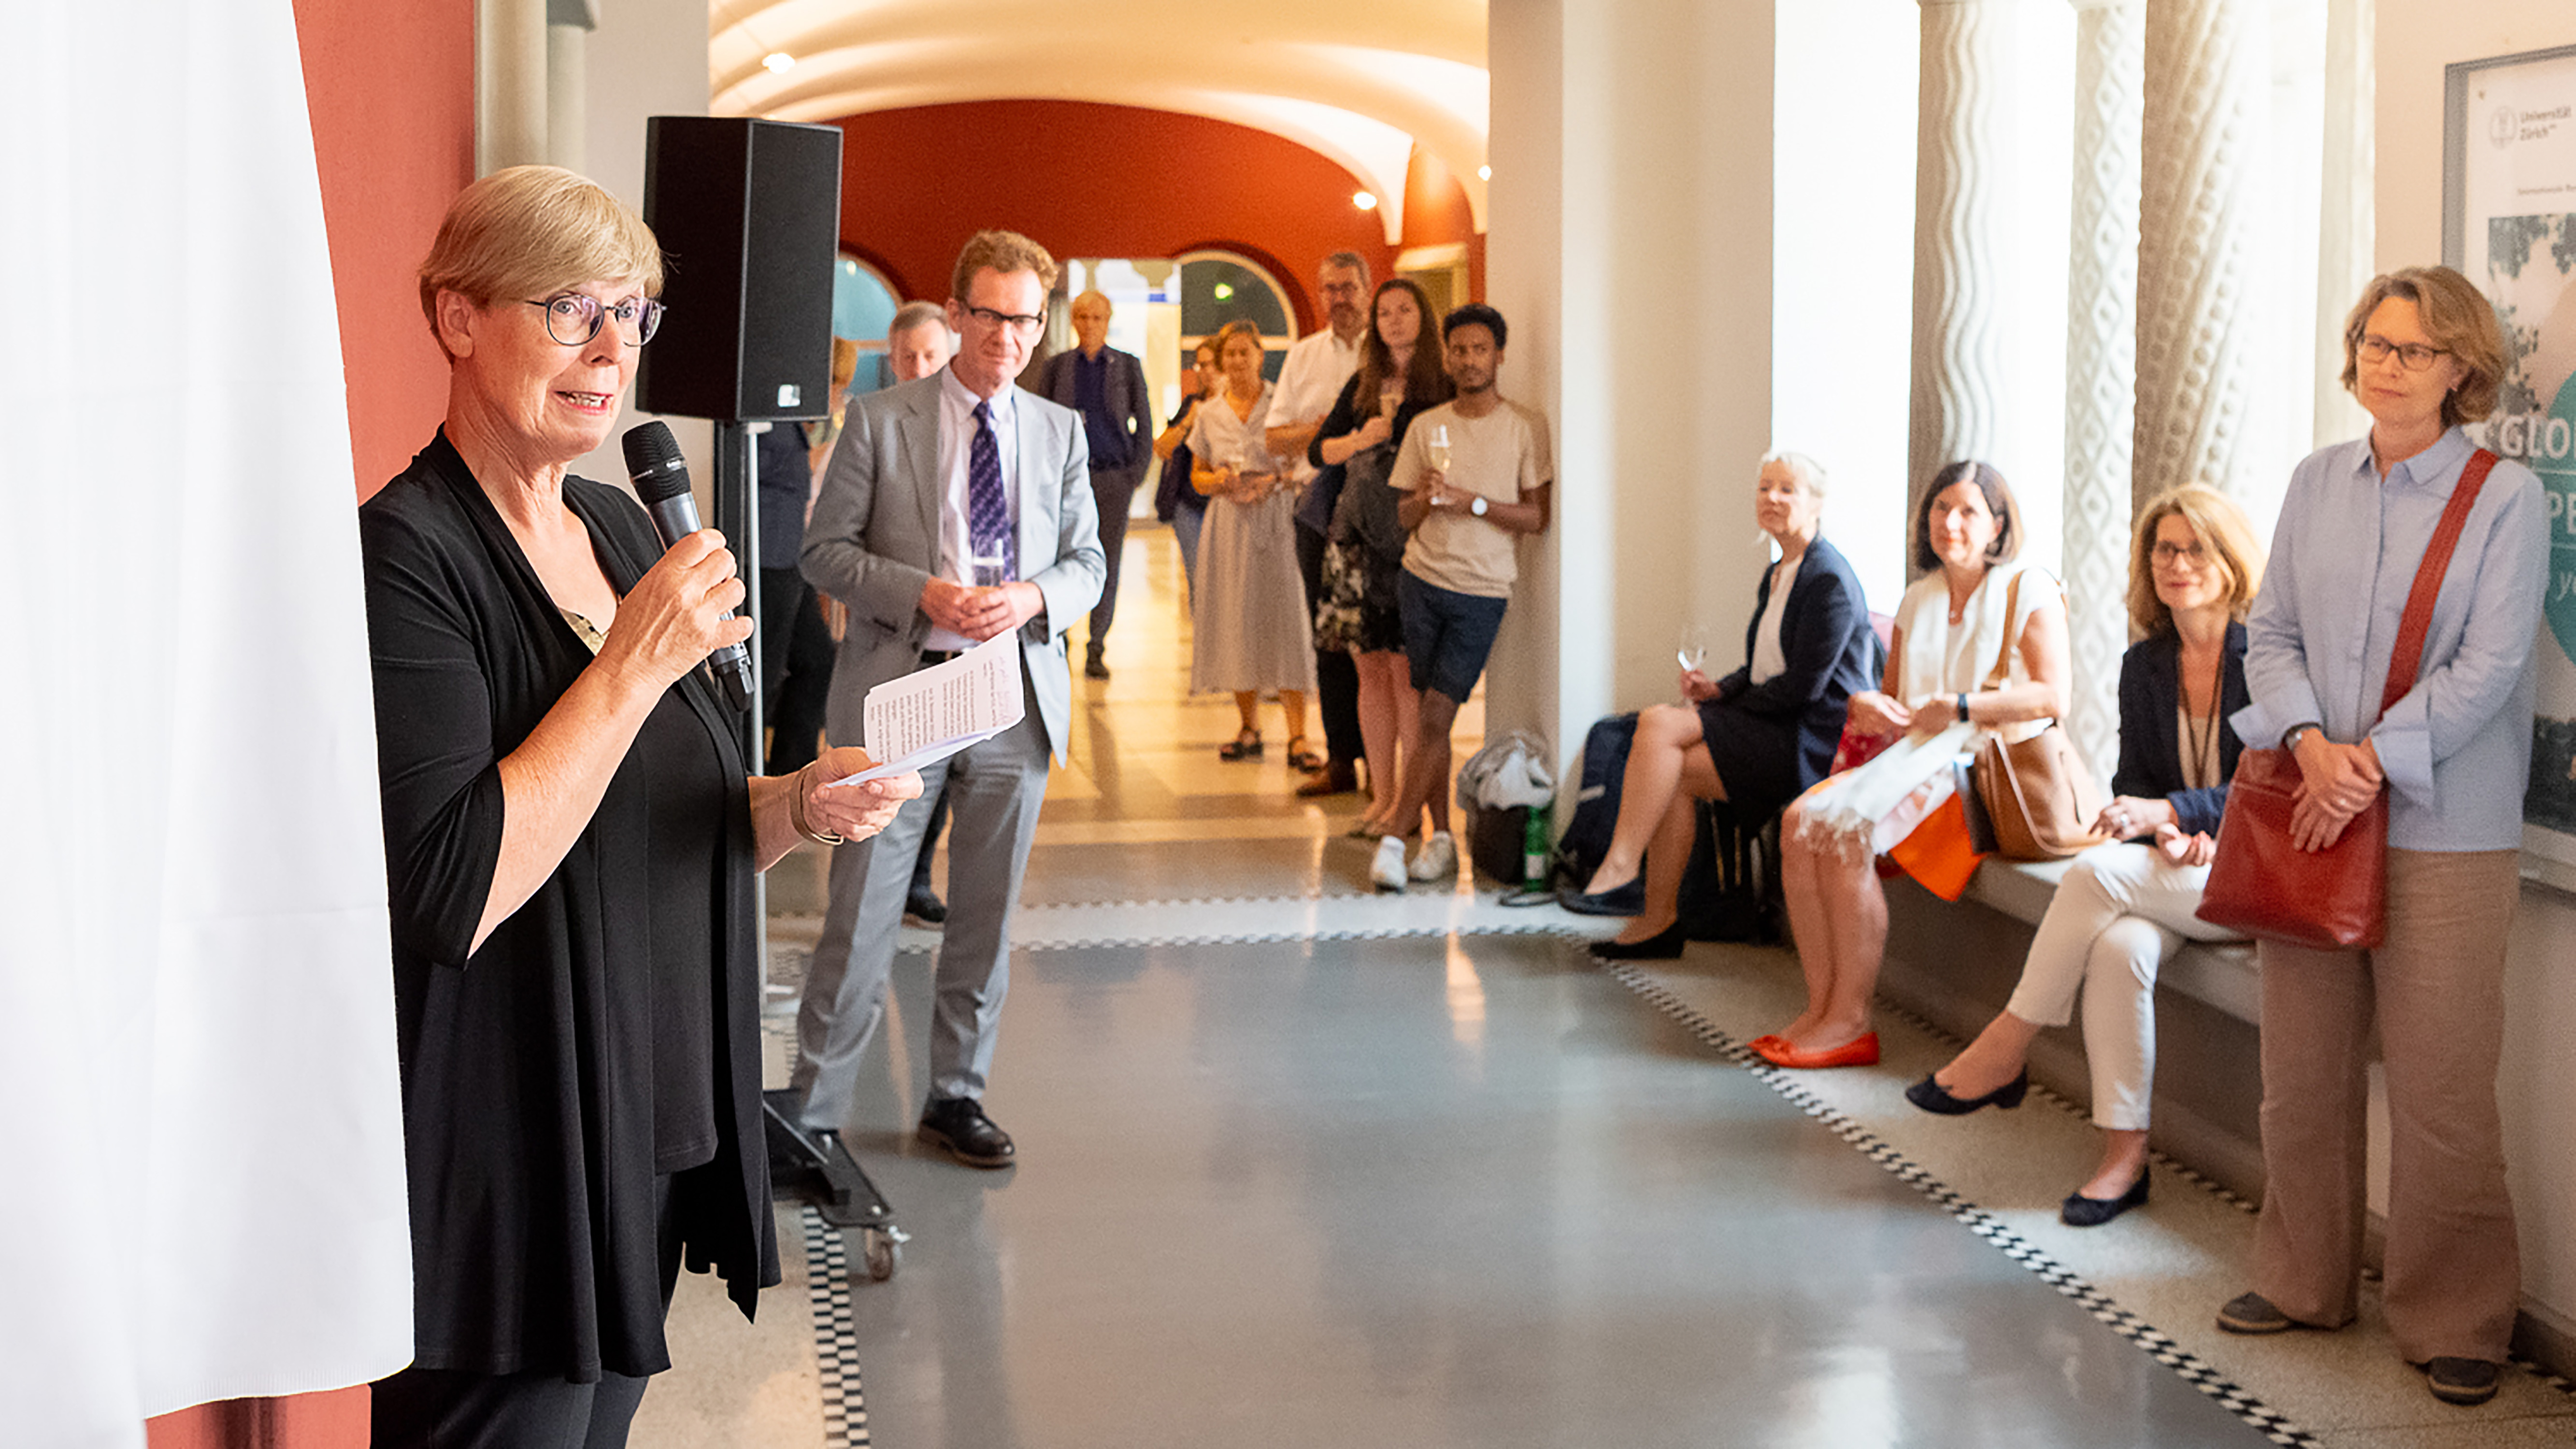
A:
[2346, 234]
[567, 95]
[2101, 362]
[2206, 115]
[1963, 197]
[509, 84]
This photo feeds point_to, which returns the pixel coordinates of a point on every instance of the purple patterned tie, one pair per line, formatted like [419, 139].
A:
[988, 514]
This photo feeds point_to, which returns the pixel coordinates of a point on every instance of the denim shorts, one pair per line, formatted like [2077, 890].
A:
[1447, 634]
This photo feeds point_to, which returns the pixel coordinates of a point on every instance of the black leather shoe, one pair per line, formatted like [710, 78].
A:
[2079, 1211]
[925, 906]
[1095, 667]
[2462, 1380]
[958, 1126]
[1619, 900]
[1932, 1097]
[1664, 945]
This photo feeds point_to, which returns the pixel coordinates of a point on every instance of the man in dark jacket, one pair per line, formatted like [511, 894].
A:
[1107, 387]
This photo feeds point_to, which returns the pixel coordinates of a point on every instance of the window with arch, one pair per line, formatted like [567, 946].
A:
[863, 306]
[1219, 286]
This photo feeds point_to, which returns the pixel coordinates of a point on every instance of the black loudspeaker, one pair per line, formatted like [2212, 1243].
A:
[749, 216]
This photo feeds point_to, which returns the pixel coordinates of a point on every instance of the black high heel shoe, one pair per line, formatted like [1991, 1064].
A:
[1932, 1097]
[1664, 945]
[2079, 1211]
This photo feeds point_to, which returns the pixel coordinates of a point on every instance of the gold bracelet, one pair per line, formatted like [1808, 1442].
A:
[796, 812]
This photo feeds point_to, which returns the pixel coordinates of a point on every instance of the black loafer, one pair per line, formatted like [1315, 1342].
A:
[958, 1126]
[2079, 1211]
[1932, 1097]
[925, 906]
[1619, 900]
[2462, 1380]
[1664, 945]
[2254, 1313]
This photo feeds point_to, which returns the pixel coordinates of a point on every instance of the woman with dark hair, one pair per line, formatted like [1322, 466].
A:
[1974, 609]
[1755, 738]
[570, 839]
[1177, 501]
[1364, 549]
[2123, 909]
[2423, 354]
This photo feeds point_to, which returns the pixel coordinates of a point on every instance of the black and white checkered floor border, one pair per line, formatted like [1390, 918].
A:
[836, 1339]
[2188, 1366]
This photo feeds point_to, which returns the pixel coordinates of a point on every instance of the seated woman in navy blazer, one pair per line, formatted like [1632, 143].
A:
[2124, 908]
[1755, 738]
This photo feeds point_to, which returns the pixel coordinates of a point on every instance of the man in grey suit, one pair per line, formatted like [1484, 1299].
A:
[955, 508]
[1107, 387]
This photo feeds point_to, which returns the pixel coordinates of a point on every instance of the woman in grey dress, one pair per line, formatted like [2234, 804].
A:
[1248, 612]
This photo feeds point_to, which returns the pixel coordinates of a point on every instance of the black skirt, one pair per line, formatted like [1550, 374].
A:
[1756, 757]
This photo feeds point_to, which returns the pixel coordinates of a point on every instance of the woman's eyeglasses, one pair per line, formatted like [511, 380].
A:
[2416, 355]
[573, 318]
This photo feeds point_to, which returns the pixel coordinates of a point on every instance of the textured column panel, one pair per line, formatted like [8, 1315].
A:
[2347, 235]
[2205, 115]
[2101, 362]
[1962, 199]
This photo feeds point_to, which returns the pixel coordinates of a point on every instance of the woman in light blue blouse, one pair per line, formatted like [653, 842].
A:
[2423, 354]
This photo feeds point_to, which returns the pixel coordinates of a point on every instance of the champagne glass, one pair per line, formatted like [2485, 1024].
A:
[1693, 652]
[1436, 450]
[1390, 397]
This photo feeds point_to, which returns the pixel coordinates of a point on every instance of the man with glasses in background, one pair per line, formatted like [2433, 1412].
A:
[955, 509]
[1310, 378]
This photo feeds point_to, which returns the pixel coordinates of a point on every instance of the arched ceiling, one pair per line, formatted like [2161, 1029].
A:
[1360, 81]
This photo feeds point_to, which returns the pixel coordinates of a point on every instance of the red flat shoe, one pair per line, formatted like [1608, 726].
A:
[1766, 1039]
[1860, 1051]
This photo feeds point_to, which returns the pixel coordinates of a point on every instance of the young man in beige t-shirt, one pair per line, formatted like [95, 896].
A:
[1466, 513]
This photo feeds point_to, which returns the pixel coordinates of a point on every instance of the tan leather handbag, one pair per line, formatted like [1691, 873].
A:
[2038, 795]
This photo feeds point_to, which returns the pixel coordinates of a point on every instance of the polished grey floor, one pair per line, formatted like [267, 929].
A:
[1431, 1191]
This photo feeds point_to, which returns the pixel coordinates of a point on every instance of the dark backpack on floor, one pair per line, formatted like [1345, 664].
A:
[1596, 799]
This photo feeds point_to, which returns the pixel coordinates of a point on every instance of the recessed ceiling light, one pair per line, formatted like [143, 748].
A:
[779, 61]
[1484, 173]
[1365, 201]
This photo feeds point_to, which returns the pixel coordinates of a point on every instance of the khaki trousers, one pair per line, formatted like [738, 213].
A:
[2436, 987]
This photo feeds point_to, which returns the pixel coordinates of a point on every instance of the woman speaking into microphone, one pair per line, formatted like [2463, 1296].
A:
[570, 839]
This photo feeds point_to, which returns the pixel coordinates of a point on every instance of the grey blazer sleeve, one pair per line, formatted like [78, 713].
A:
[873, 538]
[1071, 582]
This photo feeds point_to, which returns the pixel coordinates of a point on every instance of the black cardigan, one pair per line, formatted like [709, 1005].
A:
[2151, 734]
[1826, 640]
[528, 1112]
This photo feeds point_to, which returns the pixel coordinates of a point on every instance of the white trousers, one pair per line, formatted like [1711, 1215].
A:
[2119, 912]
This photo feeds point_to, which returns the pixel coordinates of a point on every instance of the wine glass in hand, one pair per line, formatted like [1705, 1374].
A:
[1435, 450]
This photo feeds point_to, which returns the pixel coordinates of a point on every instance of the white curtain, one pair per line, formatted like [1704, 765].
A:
[201, 1184]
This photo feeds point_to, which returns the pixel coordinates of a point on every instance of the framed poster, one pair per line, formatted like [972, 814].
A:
[2509, 226]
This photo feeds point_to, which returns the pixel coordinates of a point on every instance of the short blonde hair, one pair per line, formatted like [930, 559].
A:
[2459, 319]
[2224, 530]
[1005, 252]
[527, 232]
[916, 314]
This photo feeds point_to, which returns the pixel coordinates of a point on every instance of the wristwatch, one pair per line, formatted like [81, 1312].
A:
[1477, 505]
[2290, 736]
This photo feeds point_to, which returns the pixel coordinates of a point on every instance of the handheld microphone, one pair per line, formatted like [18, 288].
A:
[661, 479]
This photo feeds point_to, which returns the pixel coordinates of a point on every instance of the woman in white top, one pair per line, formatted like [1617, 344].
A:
[2124, 908]
[1248, 611]
[1974, 607]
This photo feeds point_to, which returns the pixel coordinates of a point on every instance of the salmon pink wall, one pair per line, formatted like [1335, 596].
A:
[1436, 211]
[391, 92]
[1090, 180]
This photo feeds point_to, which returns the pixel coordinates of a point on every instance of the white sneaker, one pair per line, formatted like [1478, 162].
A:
[1387, 870]
[1438, 858]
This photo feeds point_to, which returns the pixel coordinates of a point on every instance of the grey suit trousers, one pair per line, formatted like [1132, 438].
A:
[995, 790]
